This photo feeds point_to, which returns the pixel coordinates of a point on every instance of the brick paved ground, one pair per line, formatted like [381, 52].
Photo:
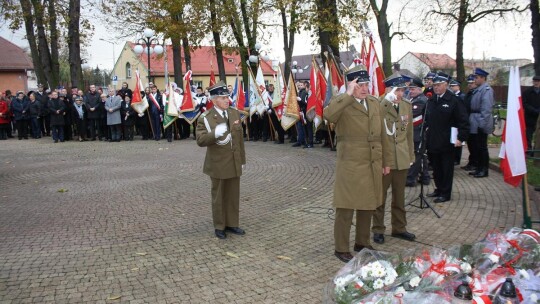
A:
[133, 224]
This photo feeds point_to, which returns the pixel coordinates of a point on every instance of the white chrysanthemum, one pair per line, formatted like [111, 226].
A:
[524, 274]
[399, 290]
[493, 258]
[415, 281]
[342, 281]
[376, 265]
[389, 280]
[378, 284]
[465, 267]
[365, 272]
[379, 272]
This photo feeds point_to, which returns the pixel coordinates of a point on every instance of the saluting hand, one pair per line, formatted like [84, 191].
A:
[351, 86]
[392, 95]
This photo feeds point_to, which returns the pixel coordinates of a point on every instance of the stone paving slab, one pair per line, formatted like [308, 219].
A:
[132, 223]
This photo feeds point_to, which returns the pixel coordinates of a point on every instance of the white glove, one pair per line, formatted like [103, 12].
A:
[269, 111]
[298, 98]
[243, 167]
[391, 96]
[266, 107]
[220, 130]
[141, 114]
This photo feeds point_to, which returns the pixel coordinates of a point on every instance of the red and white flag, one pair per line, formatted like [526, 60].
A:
[375, 71]
[212, 75]
[514, 142]
[137, 97]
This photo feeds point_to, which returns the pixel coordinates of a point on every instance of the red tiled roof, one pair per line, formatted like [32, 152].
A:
[13, 57]
[200, 62]
[436, 61]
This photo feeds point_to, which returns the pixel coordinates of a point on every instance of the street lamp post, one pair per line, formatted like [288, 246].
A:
[114, 57]
[147, 40]
[296, 69]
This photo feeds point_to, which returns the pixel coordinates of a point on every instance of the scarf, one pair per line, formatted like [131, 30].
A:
[79, 110]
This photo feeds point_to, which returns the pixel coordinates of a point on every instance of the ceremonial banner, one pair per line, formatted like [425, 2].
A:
[187, 102]
[262, 91]
[139, 103]
[290, 108]
[171, 110]
[255, 99]
[514, 142]
[317, 94]
[375, 71]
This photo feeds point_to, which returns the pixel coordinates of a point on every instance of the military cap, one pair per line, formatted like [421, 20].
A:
[430, 75]
[536, 78]
[218, 89]
[395, 81]
[40, 85]
[480, 72]
[470, 78]
[416, 82]
[455, 83]
[441, 77]
[359, 72]
[406, 78]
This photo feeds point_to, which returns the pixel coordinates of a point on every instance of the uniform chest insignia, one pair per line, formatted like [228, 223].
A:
[445, 105]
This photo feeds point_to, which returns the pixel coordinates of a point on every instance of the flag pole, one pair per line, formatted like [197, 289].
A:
[527, 223]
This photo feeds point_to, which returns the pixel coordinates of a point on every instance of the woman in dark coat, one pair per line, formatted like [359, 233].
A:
[35, 111]
[57, 109]
[20, 107]
[128, 117]
[78, 116]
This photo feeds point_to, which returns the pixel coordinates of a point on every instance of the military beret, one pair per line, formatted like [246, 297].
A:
[359, 72]
[480, 72]
[219, 89]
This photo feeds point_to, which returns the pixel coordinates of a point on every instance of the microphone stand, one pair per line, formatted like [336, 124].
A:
[423, 154]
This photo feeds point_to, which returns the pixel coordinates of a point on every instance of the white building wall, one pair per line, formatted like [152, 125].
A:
[413, 64]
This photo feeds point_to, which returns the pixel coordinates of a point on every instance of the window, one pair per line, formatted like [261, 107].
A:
[128, 70]
[197, 83]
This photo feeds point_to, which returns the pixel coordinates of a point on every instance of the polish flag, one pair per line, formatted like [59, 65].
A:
[514, 143]
[375, 71]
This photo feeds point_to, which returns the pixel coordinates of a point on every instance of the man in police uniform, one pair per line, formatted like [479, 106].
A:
[420, 166]
[481, 121]
[398, 127]
[455, 87]
[220, 131]
[472, 163]
[361, 160]
[444, 111]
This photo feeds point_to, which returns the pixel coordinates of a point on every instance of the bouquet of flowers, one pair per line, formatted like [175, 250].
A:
[369, 272]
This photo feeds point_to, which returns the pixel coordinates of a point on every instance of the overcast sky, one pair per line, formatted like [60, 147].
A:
[485, 39]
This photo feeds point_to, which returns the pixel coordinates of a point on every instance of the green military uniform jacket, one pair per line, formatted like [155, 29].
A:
[361, 152]
[224, 155]
[399, 134]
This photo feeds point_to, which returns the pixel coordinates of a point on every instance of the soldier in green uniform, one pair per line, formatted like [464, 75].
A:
[398, 128]
[220, 131]
[361, 161]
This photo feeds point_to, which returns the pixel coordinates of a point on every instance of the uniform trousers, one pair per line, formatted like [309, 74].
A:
[481, 149]
[156, 125]
[342, 228]
[473, 149]
[443, 172]
[396, 179]
[225, 202]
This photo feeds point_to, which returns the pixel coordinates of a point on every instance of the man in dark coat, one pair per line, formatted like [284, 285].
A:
[419, 169]
[155, 103]
[128, 117]
[44, 118]
[456, 89]
[92, 101]
[444, 111]
[57, 108]
[531, 103]
[20, 107]
[472, 164]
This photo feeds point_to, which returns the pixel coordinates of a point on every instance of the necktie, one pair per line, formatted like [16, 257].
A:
[363, 102]
[396, 106]
[226, 118]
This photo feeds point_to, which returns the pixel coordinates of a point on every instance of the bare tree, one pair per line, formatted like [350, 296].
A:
[464, 12]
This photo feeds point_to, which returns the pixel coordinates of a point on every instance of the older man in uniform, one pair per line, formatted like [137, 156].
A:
[444, 111]
[481, 121]
[471, 89]
[220, 131]
[398, 127]
[361, 161]
[419, 169]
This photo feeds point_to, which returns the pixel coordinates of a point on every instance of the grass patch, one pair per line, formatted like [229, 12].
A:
[494, 140]
[533, 172]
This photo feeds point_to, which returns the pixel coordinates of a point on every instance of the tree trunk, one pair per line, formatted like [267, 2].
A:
[43, 46]
[461, 23]
[74, 43]
[177, 60]
[187, 53]
[288, 36]
[31, 37]
[384, 34]
[328, 28]
[217, 41]
[535, 26]
[53, 30]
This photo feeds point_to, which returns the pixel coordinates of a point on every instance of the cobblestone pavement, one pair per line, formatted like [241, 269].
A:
[131, 222]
